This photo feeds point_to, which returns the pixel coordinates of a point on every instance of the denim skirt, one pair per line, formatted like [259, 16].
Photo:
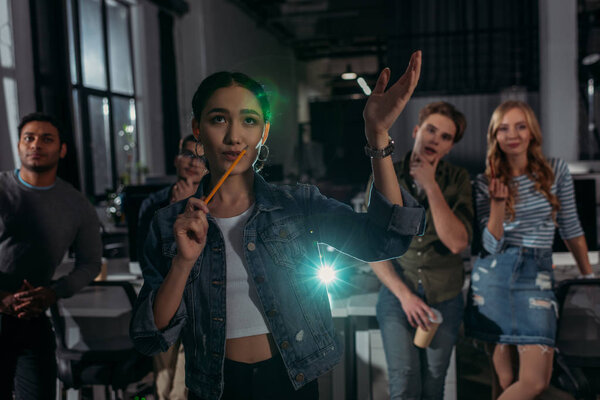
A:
[511, 298]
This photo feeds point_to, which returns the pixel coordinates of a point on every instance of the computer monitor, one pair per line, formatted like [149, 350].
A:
[133, 196]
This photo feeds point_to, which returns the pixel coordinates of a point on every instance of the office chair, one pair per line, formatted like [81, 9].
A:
[92, 338]
[577, 358]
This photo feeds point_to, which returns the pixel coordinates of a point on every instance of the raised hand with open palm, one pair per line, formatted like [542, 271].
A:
[383, 107]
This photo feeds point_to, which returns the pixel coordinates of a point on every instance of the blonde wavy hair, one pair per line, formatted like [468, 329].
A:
[538, 169]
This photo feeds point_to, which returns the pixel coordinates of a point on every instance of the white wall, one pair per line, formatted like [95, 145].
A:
[558, 78]
[216, 35]
[146, 51]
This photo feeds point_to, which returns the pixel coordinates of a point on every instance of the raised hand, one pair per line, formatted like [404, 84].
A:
[384, 107]
[190, 231]
[498, 190]
[183, 189]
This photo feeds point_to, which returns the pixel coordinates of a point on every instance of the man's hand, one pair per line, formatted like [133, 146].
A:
[417, 312]
[383, 108]
[183, 189]
[422, 171]
[32, 302]
[7, 303]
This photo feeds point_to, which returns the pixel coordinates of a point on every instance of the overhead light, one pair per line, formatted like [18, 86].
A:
[363, 85]
[590, 59]
[349, 75]
[592, 63]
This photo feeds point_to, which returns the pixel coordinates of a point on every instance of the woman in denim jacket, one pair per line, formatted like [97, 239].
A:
[236, 279]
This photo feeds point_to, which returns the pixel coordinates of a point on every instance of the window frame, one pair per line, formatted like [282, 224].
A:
[82, 121]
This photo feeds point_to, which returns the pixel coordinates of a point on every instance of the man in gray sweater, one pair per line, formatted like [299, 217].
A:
[41, 216]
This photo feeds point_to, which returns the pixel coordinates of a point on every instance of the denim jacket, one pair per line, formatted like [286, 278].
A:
[280, 249]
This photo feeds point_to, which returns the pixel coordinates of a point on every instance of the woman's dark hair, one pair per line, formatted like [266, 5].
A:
[224, 79]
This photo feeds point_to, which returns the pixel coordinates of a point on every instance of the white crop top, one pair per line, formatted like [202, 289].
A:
[244, 312]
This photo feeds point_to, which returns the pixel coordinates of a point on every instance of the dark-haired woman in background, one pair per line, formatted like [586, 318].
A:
[520, 199]
[237, 278]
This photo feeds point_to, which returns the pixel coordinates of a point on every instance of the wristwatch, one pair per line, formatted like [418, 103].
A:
[380, 153]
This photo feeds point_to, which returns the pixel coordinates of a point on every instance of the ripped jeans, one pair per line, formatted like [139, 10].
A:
[511, 298]
[414, 373]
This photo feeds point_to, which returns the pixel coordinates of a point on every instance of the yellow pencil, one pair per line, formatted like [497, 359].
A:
[225, 175]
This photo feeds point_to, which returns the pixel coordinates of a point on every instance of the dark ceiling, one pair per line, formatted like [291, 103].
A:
[323, 28]
[470, 46]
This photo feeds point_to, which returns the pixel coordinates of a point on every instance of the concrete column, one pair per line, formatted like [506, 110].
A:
[558, 78]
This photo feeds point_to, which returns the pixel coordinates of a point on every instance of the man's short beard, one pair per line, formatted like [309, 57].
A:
[38, 168]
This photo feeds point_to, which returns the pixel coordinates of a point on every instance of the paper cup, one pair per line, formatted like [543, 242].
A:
[422, 337]
[103, 271]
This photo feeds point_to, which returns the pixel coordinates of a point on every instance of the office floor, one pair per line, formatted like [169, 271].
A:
[473, 371]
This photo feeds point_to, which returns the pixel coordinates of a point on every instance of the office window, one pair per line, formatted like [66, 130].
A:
[103, 92]
[9, 105]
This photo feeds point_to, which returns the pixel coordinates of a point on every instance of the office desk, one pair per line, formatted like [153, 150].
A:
[91, 301]
[117, 269]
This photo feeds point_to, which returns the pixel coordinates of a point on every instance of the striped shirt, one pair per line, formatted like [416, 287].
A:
[533, 225]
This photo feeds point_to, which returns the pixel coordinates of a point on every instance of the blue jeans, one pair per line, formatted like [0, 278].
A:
[264, 380]
[416, 373]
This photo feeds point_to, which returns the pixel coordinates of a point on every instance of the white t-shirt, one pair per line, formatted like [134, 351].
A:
[244, 312]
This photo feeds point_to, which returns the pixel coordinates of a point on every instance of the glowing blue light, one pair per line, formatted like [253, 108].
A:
[326, 274]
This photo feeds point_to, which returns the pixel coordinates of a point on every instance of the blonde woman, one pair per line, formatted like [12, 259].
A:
[520, 199]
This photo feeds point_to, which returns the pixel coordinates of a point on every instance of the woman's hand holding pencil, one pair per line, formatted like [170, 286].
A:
[191, 227]
[190, 231]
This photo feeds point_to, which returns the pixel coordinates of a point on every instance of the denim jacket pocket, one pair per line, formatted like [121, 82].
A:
[285, 240]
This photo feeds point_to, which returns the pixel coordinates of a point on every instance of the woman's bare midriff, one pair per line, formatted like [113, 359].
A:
[250, 349]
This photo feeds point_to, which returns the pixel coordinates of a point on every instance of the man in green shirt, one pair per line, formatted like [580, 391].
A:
[430, 273]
